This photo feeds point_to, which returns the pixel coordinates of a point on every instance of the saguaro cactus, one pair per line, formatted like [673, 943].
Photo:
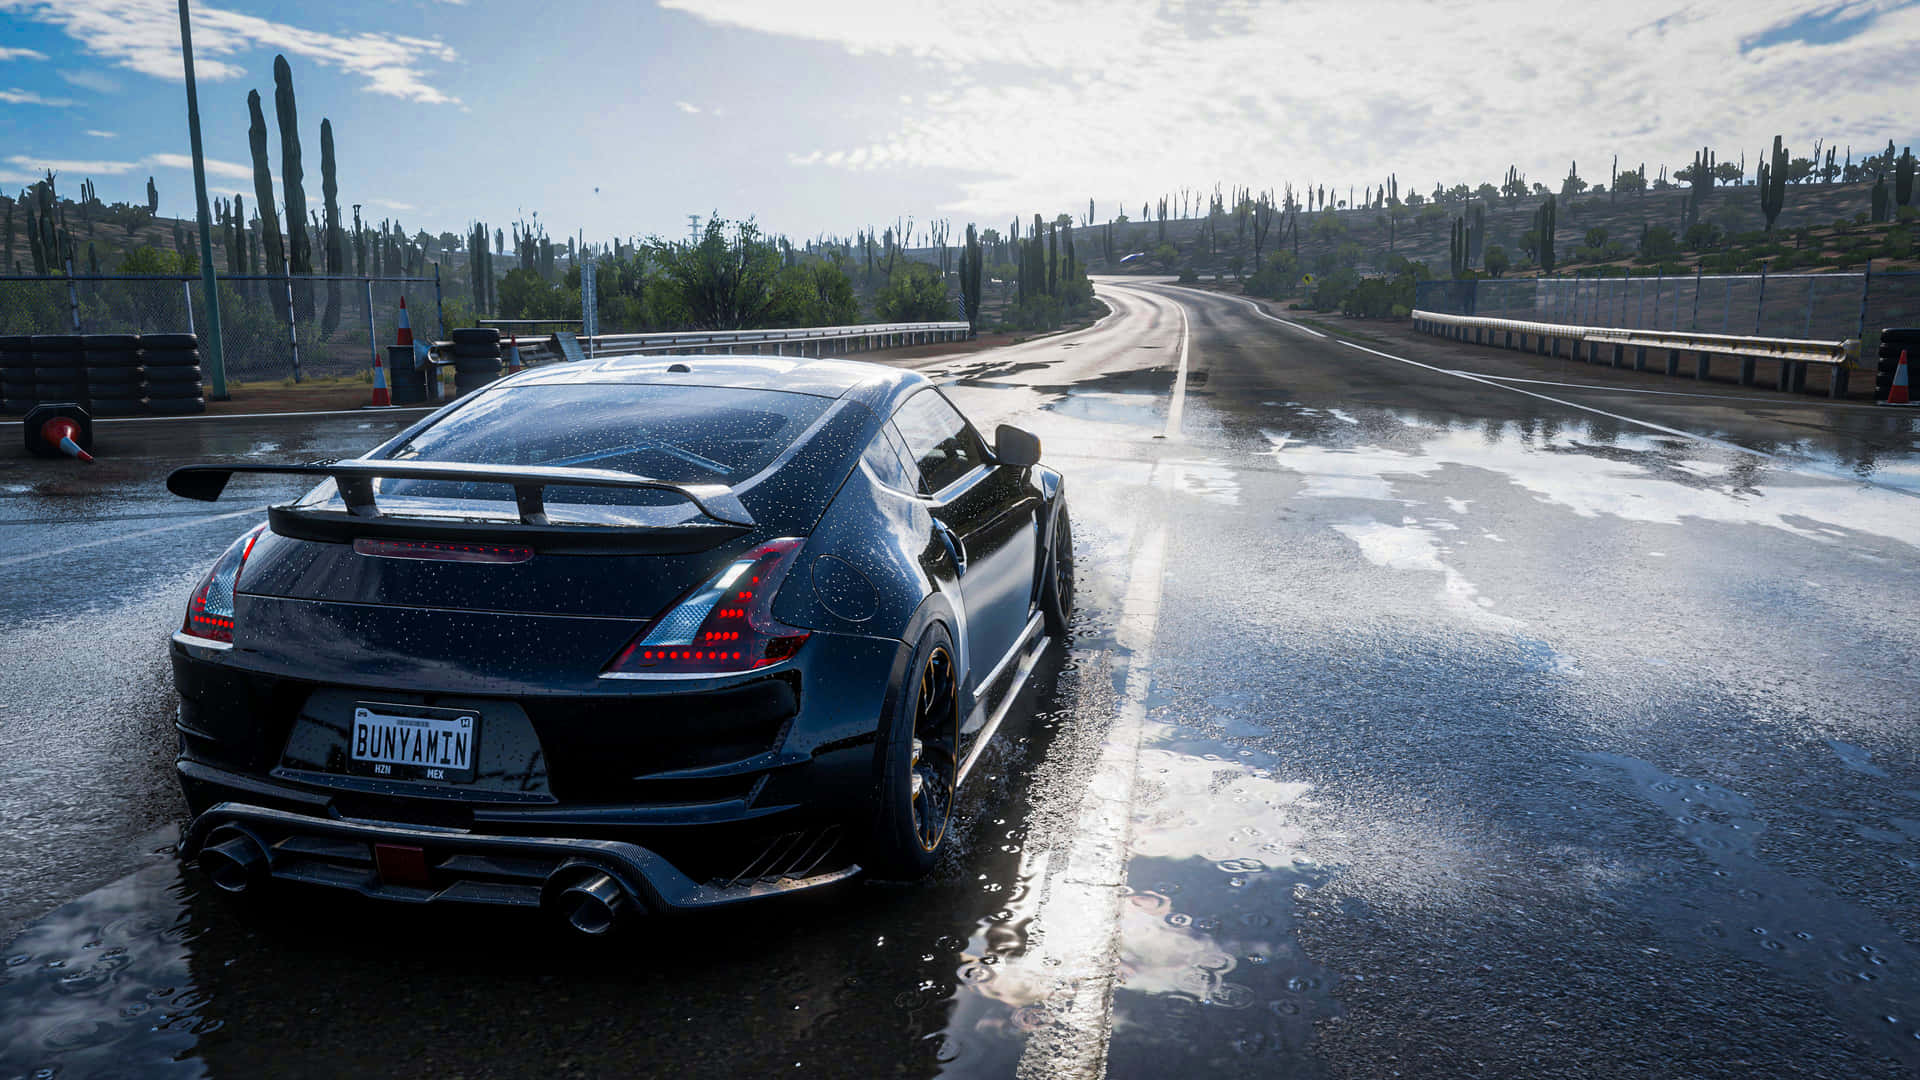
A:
[970, 277]
[292, 176]
[263, 184]
[1903, 177]
[1773, 182]
[1544, 220]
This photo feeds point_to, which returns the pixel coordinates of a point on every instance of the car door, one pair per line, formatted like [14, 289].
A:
[988, 517]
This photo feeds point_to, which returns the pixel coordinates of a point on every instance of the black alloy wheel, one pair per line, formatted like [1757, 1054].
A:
[1056, 593]
[934, 761]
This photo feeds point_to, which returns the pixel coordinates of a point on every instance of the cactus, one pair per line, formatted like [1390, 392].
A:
[970, 276]
[1701, 180]
[1882, 203]
[1457, 248]
[1903, 177]
[153, 198]
[292, 187]
[1613, 181]
[1544, 220]
[263, 187]
[1773, 182]
[1476, 232]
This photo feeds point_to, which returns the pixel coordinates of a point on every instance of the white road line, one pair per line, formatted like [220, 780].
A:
[1270, 317]
[1081, 909]
[254, 511]
[1636, 421]
[1176, 409]
[1605, 389]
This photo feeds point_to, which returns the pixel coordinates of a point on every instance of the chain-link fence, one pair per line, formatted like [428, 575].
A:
[1820, 307]
[332, 326]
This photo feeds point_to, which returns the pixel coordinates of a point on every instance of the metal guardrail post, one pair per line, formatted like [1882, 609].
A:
[439, 302]
[1811, 282]
[1866, 285]
[1699, 273]
[73, 296]
[373, 339]
[293, 317]
[1760, 305]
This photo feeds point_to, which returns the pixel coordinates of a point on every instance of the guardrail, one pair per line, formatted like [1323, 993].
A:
[1791, 354]
[794, 341]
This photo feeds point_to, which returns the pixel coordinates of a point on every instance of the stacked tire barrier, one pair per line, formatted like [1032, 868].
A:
[108, 374]
[173, 374]
[116, 380]
[476, 358]
[1894, 340]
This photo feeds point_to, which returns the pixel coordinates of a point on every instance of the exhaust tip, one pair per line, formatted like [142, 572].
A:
[235, 864]
[594, 905]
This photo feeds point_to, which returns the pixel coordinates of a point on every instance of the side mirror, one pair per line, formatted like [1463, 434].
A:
[1011, 446]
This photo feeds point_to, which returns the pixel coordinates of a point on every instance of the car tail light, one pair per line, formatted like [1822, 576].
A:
[210, 611]
[726, 626]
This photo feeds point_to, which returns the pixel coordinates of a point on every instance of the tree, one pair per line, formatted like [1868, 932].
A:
[724, 281]
[1572, 185]
[1496, 260]
[1631, 182]
[916, 293]
[1903, 178]
[1728, 172]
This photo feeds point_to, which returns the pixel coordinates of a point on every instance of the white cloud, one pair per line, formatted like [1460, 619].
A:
[21, 54]
[88, 79]
[60, 165]
[390, 204]
[224, 169]
[687, 107]
[17, 96]
[103, 134]
[144, 36]
[1132, 98]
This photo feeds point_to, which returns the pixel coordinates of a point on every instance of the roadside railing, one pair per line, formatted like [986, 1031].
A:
[795, 341]
[1792, 355]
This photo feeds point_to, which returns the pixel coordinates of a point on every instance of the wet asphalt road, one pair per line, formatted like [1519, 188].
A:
[1411, 724]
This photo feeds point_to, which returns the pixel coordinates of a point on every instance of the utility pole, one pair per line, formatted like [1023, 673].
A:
[214, 353]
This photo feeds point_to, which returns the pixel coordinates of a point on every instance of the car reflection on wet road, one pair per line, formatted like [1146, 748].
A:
[1409, 724]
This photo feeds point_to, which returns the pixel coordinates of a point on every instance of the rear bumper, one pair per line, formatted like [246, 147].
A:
[513, 871]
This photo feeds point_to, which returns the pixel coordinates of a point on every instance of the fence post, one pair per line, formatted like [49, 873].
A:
[1726, 319]
[293, 317]
[1760, 304]
[73, 296]
[1866, 283]
[1640, 309]
[373, 340]
[186, 291]
[439, 303]
[1699, 275]
[1659, 280]
[1811, 282]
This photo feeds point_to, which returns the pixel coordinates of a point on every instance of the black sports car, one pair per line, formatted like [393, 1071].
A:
[641, 633]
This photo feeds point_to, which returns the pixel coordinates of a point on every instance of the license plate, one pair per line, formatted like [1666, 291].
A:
[428, 744]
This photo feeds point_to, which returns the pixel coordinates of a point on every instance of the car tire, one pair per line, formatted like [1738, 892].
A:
[151, 342]
[917, 762]
[476, 352]
[176, 406]
[1056, 591]
[477, 335]
[117, 406]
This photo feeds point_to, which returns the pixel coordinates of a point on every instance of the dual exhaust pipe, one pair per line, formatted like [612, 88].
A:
[589, 901]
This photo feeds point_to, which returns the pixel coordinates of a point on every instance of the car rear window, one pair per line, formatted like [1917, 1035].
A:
[681, 434]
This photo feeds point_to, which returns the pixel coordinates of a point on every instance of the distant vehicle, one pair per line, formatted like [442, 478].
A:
[620, 635]
[1125, 259]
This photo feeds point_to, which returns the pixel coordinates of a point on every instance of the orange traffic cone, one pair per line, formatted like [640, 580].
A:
[1897, 393]
[406, 327]
[513, 355]
[382, 397]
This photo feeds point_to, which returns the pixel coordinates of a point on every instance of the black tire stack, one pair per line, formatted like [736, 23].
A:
[116, 382]
[59, 370]
[16, 374]
[476, 358]
[1894, 340]
[173, 374]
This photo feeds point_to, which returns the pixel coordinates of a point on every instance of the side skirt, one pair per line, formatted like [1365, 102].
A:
[1024, 655]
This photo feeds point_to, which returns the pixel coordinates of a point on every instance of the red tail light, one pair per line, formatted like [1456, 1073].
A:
[210, 611]
[726, 626]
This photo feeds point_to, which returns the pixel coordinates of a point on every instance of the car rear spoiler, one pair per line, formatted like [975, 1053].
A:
[355, 477]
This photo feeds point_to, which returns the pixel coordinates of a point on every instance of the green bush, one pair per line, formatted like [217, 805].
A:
[915, 293]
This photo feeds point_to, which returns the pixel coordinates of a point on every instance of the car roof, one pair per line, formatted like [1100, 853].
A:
[876, 386]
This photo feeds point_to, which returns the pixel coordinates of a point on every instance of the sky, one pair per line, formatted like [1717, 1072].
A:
[622, 119]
